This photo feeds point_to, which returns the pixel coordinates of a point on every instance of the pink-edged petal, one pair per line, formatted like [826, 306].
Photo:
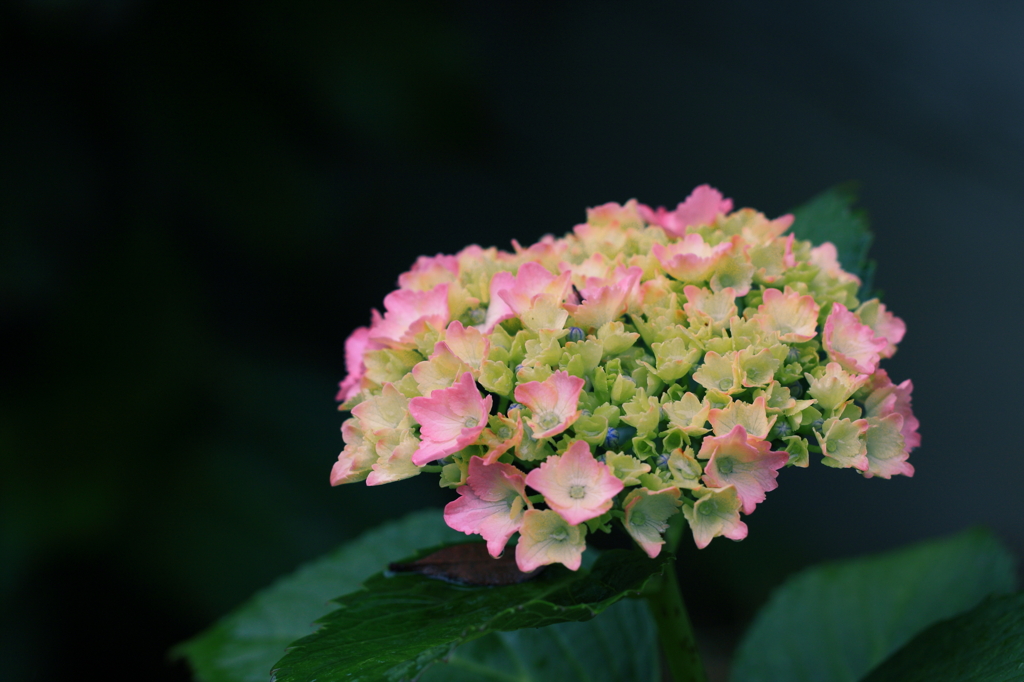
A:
[546, 538]
[468, 344]
[355, 460]
[490, 504]
[887, 398]
[614, 215]
[885, 325]
[691, 259]
[703, 304]
[356, 345]
[716, 512]
[748, 464]
[408, 314]
[429, 271]
[450, 419]
[887, 452]
[703, 205]
[498, 310]
[394, 458]
[606, 300]
[826, 257]
[552, 402]
[501, 438]
[575, 484]
[850, 343]
[752, 416]
[647, 516]
[795, 317]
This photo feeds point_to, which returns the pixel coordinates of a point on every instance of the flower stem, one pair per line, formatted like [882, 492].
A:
[674, 630]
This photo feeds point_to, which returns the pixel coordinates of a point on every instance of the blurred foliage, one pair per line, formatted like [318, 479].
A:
[838, 620]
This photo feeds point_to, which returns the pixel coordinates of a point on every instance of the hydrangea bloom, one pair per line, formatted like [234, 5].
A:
[649, 363]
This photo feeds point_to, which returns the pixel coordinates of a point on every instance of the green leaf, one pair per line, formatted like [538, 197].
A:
[837, 621]
[397, 626]
[243, 646]
[829, 217]
[620, 644]
[983, 645]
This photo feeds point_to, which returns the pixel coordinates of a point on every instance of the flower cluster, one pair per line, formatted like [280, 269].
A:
[648, 363]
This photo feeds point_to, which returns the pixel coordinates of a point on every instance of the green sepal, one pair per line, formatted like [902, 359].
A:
[796, 446]
[615, 339]
[646, 330]
[408, 386]
[600, 385]
[674, 438]
[610, 412]
[388, 366]
[807, 418]
[531, 449]
[643, 412]
[538, 373]
[496, 377]
[645, 448]
[591, 428]
[623, 389]
[654, 481]
[675, 358]
[626, 468]
[601, 523]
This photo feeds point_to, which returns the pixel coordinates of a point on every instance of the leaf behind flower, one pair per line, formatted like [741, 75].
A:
[833, 623]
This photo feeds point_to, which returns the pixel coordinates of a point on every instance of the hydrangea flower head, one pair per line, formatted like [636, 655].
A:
[649, 363]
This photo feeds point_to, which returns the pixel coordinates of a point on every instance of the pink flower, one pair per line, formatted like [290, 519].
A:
[355, 460]
[467, 344]
[606, 299]
[546, 538]
[795, 317]
[719, 307]
[498, 310]
[506, 434]
[552, 401]
[408, 313]
[647, 515]
[450, 419]
[885, 325]
[716, 512]
[700, 208]
[356, 345]
[748, 464]
[751, 416]
[690, 259]
[888, 398]
[852, 344]
[614, 215]
[597, 266]
[491, 503]
[887, 452]
[427, 272]
[575, 484]
[548, 252]
[533, 280]
[826, 257]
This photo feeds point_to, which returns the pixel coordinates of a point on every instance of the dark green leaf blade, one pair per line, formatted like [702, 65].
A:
[244, 645]
[620, 644]
[397, 626]
[985, 644]
[830, 217]
[837, 621]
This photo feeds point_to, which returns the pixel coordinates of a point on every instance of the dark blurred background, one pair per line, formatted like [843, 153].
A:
[199, 202]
